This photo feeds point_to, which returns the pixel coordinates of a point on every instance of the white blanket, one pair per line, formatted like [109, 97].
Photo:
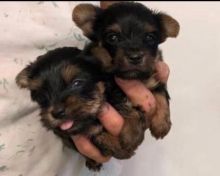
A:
[29, 29]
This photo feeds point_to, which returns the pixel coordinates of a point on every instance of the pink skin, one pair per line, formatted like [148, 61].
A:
[111, 119]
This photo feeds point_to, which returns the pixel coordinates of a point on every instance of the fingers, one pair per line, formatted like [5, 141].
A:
[111, 120]
[86, 148]
[138, 94]
[163, 71]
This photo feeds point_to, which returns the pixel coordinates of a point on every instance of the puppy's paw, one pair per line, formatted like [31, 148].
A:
[110, 146]
[160, 127]
[160, 123]
[123, 154]
[132, 133]
[102, 143]
[93, 165]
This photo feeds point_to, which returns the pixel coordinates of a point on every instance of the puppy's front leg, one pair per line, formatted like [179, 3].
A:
[130, 137]
[160, 121]
[93, 165]
[109, 145]
[132, 133]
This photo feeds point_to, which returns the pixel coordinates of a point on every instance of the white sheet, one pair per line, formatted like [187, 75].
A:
[28, 29]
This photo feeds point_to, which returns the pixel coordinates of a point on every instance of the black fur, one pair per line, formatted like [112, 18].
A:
[131, 33]
[54, 92]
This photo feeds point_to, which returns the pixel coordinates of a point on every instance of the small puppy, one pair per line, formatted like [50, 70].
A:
[128, 35]
[70, 86]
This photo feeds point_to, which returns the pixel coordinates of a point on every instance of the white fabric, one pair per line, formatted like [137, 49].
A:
[29, 29]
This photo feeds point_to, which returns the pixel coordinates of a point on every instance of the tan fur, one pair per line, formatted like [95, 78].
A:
[103, 55]
[35, 84]
[69, 72]
[160, 121]
[84, 15]
[106, 4]
[132, 134]
[159, 56]
[92, 107]
[73, 105]
[94, 130]
[114, 28]
[47, 118]
[170, 25]
[149, 28]
[22, 79]
[130, 137]
[101, 87]
[151, 83]
[112, 146]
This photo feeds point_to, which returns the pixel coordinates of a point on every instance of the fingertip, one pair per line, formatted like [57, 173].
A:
[79, 140]
[123, 83]
[163, 71]
[111, 119]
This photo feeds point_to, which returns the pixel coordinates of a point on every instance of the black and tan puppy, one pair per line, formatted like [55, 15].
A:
[125, 37]
[70, 86]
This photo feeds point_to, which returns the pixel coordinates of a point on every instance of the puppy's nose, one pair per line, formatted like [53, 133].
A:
[59, 113]
[135, 58]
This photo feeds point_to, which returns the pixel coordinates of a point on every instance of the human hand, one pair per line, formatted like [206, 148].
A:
[112, 120]
[138, 93]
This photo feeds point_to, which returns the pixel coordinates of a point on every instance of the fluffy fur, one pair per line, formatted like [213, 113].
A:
[70, 85]
[128, 35]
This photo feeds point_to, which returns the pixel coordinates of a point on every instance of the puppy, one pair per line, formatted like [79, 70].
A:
[70, 86]
[128, 34]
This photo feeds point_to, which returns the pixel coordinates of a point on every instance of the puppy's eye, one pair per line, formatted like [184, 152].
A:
[150, 39]
[112, 38]
[77, 83]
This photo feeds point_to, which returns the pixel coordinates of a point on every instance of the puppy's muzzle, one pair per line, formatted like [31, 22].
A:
[58, 112]
[135, 58]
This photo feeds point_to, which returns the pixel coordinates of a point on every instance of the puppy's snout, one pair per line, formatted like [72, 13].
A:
[135, 58]
[59, 113]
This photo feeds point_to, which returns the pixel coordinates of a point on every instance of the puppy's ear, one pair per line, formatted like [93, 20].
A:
[22, 79]
[84, 16]
[169, 25]
[106, 4]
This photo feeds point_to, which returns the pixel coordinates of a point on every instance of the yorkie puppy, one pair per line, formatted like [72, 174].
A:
[125, 37]
[70, 86]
